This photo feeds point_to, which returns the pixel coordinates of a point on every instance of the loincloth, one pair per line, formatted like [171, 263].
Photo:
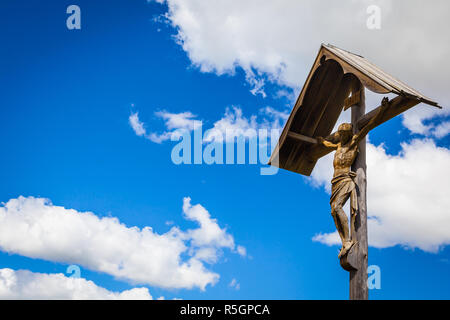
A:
[342, 187]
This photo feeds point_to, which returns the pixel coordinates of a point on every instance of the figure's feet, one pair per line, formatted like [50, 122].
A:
[346, 248]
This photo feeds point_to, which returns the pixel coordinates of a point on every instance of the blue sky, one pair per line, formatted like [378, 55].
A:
[67, 96]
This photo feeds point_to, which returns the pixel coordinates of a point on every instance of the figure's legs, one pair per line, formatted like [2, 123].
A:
[353, 212]
[341, 222]
[338, 224]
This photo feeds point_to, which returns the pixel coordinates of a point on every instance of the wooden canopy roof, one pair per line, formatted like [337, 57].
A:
[335, 75]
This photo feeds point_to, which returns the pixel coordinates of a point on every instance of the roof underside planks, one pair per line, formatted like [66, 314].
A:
[335, 74]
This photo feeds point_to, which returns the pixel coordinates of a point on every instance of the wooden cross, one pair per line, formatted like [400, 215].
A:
[336, 82]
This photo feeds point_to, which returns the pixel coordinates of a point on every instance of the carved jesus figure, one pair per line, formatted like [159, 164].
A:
[343, 185]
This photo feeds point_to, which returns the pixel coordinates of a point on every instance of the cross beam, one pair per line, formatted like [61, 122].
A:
[358, 255]
[396, 106]
[335, 74]
[356, 260]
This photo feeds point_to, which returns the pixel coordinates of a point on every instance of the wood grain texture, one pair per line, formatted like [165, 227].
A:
[321, 90]
[350, 261]
[358, 278]
[301, 137]
[315, 108]
[397, 106]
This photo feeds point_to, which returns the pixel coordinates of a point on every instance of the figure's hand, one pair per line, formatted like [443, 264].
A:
[326, 143]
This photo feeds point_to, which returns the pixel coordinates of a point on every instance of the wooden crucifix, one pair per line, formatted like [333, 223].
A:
[336, 82]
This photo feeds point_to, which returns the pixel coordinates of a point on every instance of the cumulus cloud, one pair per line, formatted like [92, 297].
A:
[35, 228]
[442, 129]
[232, 124]
[183, 120]
[418, 121]
[408, 196]
[24, 285]
[241, 250]
[136, 124]
[209, 233]
[173, 122]
[277, 40]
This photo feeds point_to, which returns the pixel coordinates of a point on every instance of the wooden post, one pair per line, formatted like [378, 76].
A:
[358, 277]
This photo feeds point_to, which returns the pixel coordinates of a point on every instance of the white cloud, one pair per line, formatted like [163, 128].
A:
[182, 120]
[36, 228]
[442, 129]
[407, 196]
[136, 124]
[234, 284]
[329, 239]
[277, 40]
[415, 120]
[241, 250]
[233, 124]
[24, 285]
[209, 234]
[173, 122]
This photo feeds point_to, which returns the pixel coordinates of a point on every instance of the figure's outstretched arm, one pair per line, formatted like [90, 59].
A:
[326, 143]
[372, 123]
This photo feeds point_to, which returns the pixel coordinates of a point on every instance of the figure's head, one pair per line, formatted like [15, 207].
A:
[345, 132]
